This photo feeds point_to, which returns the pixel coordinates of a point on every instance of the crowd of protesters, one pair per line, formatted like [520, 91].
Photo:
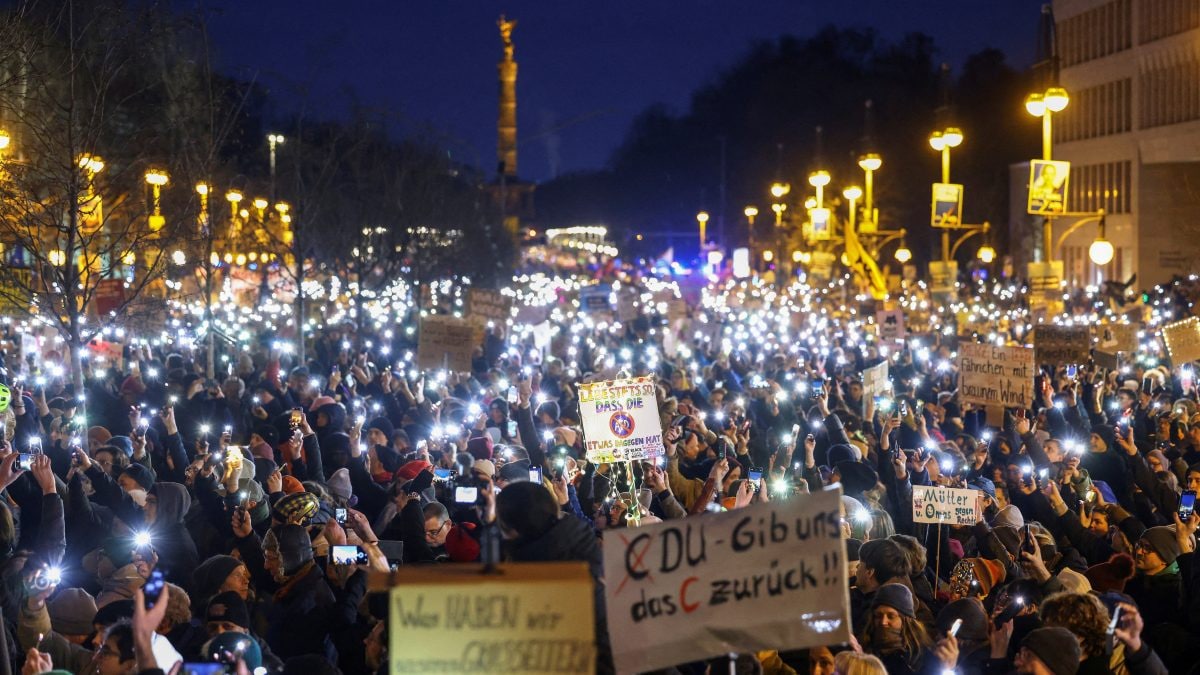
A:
[162, 516]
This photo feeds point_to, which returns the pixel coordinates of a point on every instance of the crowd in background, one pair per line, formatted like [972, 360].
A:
[225, 499]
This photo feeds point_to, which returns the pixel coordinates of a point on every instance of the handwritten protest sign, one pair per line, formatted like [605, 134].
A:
[1061, 345]
[528, 618]
[620, 420]
[1183, 340]
[948, 506]
[446, 342]
[488, 305]
[627, 305]
[768, 576]
[991, 375]
[875, 381]
[890, 324]
[1111, 338]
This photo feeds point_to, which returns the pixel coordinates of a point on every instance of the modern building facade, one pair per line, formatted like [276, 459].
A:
[1132, 135]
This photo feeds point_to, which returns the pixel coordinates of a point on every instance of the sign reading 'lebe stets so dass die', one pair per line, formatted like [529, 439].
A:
[620, 420]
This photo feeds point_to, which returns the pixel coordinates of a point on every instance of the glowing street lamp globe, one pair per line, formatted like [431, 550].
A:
[1035, 104]
[819, 178]
[903, 255]
[986, 254]
[870, 162]
[1056, 99]
[1101, 251]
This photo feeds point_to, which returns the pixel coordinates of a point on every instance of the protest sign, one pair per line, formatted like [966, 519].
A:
[875, 382]
[890, 324]
[1111, 338]
[947, 506]
[488, 305]
[620, 420]
[446, 342]
[526, 618]
[991, 375]
[595, 298]
[627, 305]
[768, 576]
[1183, 340]
[1061, 345]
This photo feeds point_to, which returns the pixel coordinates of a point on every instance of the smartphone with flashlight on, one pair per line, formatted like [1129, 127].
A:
[1187, 505]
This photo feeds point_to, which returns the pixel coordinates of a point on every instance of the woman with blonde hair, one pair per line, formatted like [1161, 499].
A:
[851, 663]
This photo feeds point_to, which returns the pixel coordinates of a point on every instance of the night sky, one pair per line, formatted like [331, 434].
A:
[587, 67]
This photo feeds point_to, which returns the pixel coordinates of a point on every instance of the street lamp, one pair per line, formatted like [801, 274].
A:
[1101, 251]
[202, 189]
[852, 194]
[986, 254]
[903, 255]
[157, 178]
[819, 179]
[751, 212]
[1044, 105]
[272, 141]
[870, 163]
[780, 190]
[943, 141]
[702, 218]
[234, 197]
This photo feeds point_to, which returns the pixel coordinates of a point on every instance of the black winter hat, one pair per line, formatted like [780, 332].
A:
[228, 606]
[1056, 647]
[974, 619]
[384, 425]
[211, 574]
[896, 596]
[268, 433]
[140, 474]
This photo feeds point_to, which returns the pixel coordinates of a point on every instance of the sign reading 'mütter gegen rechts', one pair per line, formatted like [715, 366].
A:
[948, 506]
[995, 376]
[620, 420]
[527, 618]
[768, 576]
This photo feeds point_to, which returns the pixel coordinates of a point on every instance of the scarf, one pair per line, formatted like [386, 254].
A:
[287, 587]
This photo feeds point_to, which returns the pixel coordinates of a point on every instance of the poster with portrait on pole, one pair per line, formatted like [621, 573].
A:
[1048, 187]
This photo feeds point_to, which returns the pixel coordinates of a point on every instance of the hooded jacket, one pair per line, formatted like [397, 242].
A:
[176, 551]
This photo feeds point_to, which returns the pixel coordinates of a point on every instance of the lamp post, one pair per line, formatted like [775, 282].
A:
[157, 178]
[272, 141]
[944, 141]
[819, 179]
[852, 194]
[702, 218]
[1045, 105]
[869, 163]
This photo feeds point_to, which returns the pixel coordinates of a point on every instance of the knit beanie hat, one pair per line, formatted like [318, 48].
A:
[484, 466]
[973, 576]
[384, 425]
[1162, 541]
[1010, 516]
[410, 470]
[460, 545]
[841, 452]
[71, 612]
[299, 506]
[1056, 647]
[389, 458]
[140, 474]
[480, 447]
[262, 450]
[98, 435]
[339, 484]
[974, 619]
[211, 574]
[1111, 575]
[292, 486]
[295, 547]
[228, 606]
[857, 477]
[896, 596]
[268, 433]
